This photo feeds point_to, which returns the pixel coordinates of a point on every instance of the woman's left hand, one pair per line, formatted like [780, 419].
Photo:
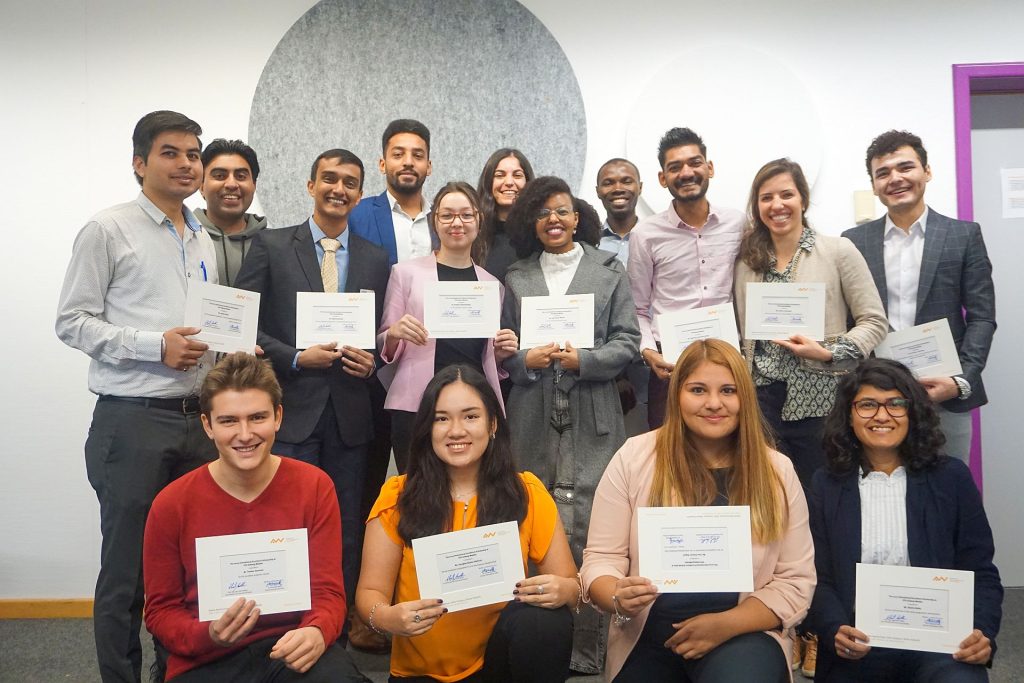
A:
[569, 357]
[547, 590]
[506, 343]
[805, 347]
[699, 635]
[975, 649]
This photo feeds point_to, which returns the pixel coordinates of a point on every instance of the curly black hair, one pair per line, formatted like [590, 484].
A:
[923, 447]
[522, 220]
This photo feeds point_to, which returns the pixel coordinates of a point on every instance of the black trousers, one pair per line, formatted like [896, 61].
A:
[252, 664]
[750, 658]
[401, 437]
[527, 644]
[132, 452]
[884, 665]
[799, 439]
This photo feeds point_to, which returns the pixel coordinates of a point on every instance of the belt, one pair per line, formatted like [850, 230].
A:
[189, 405]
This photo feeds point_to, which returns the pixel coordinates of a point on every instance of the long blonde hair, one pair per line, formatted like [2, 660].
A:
[680, 475]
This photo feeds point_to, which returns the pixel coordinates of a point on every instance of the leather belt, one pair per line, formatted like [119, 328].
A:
[189, 405]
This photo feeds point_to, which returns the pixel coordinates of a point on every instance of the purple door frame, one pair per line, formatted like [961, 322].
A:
[967, 80]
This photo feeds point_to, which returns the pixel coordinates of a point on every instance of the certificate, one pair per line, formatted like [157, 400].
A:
[559, 319]
[679, 330]
[343, 317]
[915, 608]
[471, 567]
[777, 310]
[227, 317]
[927, 350]
[696, 549]
[270, 567]
[462, 310]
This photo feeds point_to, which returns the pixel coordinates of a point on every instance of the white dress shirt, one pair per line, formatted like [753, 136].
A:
[883, 518]
[903, 250]
[412, 233]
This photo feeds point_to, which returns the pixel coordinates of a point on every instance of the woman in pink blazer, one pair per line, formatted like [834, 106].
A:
[710, 451]
[411, 355]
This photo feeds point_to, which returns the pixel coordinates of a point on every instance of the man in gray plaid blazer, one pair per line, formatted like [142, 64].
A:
[926, 267]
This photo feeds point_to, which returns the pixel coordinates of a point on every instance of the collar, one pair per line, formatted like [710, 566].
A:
[606, 231]
[319, 234]
[897, 474]
[919, 224]
[159, 217]
[396, 207]
[806, 243]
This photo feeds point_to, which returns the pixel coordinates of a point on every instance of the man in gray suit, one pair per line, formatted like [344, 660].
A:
[926, 267]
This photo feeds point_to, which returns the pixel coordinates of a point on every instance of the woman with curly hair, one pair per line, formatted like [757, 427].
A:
[889, 496]
[564, 409]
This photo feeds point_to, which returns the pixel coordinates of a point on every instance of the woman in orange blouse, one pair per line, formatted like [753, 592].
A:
[461, 475]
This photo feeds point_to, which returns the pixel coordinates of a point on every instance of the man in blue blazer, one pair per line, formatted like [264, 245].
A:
[327, 411]
[926, 267]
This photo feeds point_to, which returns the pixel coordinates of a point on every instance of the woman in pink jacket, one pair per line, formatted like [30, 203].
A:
[712, 450]
[413, 357]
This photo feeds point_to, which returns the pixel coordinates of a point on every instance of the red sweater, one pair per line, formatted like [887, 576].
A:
[194, 506]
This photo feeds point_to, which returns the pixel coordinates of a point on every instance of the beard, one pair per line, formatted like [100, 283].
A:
[403, 185]
[686, 198]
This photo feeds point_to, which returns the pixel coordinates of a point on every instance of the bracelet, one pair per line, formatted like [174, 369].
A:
[369, 619]
[579, 596]
[618, 619]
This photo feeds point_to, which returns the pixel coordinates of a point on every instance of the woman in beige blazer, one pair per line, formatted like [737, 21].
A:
[712, 450]
[796, 378]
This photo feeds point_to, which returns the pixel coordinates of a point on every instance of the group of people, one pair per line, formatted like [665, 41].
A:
[485, 431]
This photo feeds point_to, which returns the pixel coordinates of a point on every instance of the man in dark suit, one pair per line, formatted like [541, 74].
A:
[926, 267]
[327, 412]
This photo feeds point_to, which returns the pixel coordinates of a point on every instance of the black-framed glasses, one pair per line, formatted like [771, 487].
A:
[561, 213]
[868, 408]
[447, 217]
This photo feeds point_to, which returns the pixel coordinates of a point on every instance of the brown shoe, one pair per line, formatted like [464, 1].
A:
[810, 655]
[362, 637]
[798, 652]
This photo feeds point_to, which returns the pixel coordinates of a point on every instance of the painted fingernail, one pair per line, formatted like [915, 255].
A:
[515, 592]
[440, 602]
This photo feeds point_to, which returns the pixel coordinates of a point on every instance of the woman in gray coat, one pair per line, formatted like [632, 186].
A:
[564, 409]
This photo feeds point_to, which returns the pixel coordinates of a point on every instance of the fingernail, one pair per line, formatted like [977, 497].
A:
[515, 592]
[444, 611]
[517, 599]
[518, 585]
[440, 602]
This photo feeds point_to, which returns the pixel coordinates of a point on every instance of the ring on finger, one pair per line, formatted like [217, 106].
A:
[846, 650]
[417, 618]
[540, 590]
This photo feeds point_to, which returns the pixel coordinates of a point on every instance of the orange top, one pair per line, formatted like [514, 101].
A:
[454, 648]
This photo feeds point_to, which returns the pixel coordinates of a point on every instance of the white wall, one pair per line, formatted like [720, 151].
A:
[76, 75]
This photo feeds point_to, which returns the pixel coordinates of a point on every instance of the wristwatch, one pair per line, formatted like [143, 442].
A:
[963, 388]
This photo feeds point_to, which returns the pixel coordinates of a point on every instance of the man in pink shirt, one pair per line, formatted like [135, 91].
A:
[683, 257]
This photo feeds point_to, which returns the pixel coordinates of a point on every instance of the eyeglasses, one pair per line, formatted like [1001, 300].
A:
[447, 218]
[868, 408]
[561, 213]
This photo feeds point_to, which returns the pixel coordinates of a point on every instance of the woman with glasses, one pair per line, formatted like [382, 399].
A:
[405, 343]
[564, 409]
[889, 496]
[502, 180]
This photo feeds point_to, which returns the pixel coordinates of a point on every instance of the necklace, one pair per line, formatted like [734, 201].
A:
[462, 496]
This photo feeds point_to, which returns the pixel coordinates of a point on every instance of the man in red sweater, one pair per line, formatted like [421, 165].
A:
[246, 490]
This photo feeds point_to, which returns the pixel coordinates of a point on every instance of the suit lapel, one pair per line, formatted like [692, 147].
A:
[917, 530]
[385, 223]
[592, 277]
[533, 283]
[305, 252]
[874, 254]
[357, 277]
[934, 241]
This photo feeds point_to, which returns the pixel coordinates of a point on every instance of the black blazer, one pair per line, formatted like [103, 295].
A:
[946, 528]
[956, 277]
[279, 264]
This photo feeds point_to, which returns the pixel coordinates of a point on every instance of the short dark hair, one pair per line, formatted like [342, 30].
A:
[522, 220]
[890, 141]
[618, 160]
[344, 157]
[239, 371]
[220, 146]
[424, 505]
[404, 126]
[678, 137]
[922, 448]
[156, 122]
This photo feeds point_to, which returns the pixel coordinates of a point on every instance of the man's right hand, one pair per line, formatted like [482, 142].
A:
[655, 361]
[320, 356]
[235, 623]
[180, 352]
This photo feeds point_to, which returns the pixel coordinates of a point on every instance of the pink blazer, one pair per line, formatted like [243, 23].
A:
[412, 367]
[784, 575]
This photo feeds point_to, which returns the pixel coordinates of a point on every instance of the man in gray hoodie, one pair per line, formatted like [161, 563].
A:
[230, 169]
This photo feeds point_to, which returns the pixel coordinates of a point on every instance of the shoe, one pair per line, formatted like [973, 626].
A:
[362, 637]
[798, 652]
[810, 655]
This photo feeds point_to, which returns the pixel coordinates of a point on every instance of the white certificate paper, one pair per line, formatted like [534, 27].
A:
[558, 319]
[679, 330]
[228, 317]
[270, 567]
[471, 567]
[696, 549]
[927, 350]
[343, 317]
[777, 310]
[462, 310]
[915, 608]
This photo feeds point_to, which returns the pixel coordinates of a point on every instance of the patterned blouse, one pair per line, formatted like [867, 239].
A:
[808, 393]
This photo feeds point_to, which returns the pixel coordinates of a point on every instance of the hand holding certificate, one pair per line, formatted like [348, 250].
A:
[557, 319]
[343, 317]
[778, 310]
[227, 317]
[680, 329]
[927, 350]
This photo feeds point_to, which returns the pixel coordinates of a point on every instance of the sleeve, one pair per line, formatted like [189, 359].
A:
[80, 323]
[395, 306]
[827, 613]
[979, 302]
[254, 276]
[167, 617]
[621, 341]
[641, 280]
[542, 516]
[788, 592]
[386, 508]
[327, 591]
[862, 299]
[611, 519]
[515, 365]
